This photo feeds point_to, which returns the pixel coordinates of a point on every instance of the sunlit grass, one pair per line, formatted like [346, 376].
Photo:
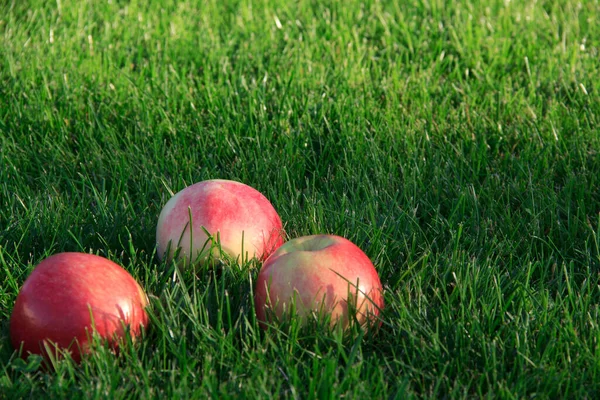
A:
[456, 144]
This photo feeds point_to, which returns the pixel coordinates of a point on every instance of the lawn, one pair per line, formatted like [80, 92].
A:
[457, 144]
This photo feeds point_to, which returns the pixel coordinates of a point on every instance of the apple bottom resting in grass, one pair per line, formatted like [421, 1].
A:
[70, 296]
[321, 275]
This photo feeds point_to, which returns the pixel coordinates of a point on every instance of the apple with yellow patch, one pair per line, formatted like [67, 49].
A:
[319, 275]
[239, 216]
[68, 297]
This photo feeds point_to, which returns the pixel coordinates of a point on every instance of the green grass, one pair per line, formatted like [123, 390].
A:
[458, 145]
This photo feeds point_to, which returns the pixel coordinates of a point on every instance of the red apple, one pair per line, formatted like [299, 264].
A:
[67, 297]
[243, 220]
[319, 274]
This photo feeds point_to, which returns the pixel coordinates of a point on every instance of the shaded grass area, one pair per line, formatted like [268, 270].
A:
[456, 145]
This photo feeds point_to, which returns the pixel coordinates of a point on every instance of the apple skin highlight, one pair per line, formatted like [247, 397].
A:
[319, 273]
[68, 296]
[244, 220]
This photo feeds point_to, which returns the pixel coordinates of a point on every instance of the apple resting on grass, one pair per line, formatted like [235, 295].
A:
[321, 274]
[239, 216]
[67, 297]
